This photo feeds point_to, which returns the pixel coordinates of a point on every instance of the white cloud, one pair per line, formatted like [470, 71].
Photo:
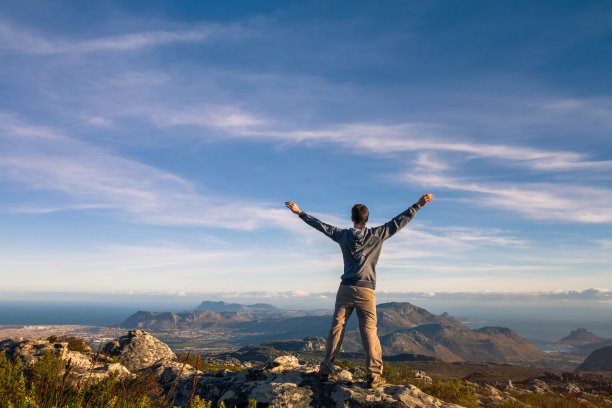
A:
[98, 121]
[222, 117]
[30, 42]
[91, 177]
[384, 139]
[604, 243]
[544, 201]
[599, 109]
[176, 268]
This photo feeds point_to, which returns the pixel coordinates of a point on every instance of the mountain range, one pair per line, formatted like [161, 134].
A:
[403, 328]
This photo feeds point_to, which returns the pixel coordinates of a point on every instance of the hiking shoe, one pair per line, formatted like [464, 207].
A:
[375, 382]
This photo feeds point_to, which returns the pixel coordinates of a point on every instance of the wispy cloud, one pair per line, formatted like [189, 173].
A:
[201, 266]
[383, 139]
[444, 243]
[544, 201]
[599, 109]
[31, 42]
[91, 177]
[228, 118]
[589, 294]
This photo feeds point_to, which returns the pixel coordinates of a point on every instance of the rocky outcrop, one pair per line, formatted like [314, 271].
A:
[285, 382]
[593, 387]
[599, 360]
[579, 337]
[255, 354]
[82, 365]
[310, 343]
[138, 349]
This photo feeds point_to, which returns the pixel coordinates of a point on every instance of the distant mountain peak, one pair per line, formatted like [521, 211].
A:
[579, 337]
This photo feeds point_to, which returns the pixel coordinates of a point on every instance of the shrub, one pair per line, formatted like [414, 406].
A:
[454, 391]
[345, 365]
[13, 391]
[50, 383]
[508, 404]
[551, 400]
[74, 344]
[401, 374]
[49, 386]
[192, 358]
[198, 403]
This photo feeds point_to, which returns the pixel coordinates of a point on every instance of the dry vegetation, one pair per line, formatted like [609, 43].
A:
[49, 383]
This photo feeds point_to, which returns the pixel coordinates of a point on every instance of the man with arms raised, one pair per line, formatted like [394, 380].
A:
[360, 249]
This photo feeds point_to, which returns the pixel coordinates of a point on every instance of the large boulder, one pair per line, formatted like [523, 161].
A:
[138, 349]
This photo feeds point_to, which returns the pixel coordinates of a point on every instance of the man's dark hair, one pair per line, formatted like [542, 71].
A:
[360, 214]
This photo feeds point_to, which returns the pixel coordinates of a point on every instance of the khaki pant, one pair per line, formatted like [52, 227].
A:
[363, 300]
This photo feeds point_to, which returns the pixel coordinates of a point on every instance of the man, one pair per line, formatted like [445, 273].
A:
[360, 249]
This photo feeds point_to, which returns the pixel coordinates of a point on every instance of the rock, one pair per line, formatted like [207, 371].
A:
[489, 400]
[255, 354]
[224, 360]
[167, 371]
[494, 391]
[537, 386]
[341, 376]
[82, 365]
[507, 386]
[495, 399]
[421, 376]
[138, 349]
[571, 388]
[284, 382]
[285, 362]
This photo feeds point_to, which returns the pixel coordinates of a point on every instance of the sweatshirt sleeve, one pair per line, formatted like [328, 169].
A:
[388, 229]
[326, 229]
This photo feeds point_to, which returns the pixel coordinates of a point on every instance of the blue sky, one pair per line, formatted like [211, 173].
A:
[148, 147]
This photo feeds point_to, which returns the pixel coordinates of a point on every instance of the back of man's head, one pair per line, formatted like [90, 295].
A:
[360, 214]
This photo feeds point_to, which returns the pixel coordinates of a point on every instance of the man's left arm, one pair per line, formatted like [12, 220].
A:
[388, 229]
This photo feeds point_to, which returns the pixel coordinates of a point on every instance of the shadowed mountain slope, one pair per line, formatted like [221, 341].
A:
[599, 360]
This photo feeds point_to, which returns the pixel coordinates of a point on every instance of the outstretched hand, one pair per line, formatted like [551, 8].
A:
[293, 207]
[425, 199]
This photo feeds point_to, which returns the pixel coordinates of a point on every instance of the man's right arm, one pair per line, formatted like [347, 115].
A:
[326, 229]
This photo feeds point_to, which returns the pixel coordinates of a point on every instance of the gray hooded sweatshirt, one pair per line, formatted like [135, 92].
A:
[361, 248]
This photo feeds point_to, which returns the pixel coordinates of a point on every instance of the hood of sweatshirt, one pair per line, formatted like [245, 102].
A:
[358, 236]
